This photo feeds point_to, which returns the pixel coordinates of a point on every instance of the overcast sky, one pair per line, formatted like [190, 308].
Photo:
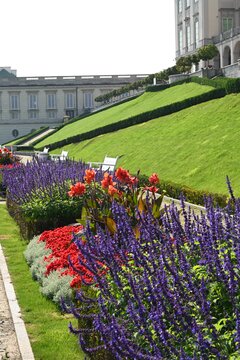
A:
[87, 37]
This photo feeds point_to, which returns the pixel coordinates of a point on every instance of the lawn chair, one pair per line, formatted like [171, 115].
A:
[60, 157]
[42, 155]
[108, 164]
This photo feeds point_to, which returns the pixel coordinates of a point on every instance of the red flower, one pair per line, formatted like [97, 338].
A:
[122, 175]
[133, 180]
[152, 189]
[107, 180]
[77, 189]
[89, 175]
[154, 179]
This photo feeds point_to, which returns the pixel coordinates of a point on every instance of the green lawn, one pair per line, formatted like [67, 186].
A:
[197, 147]
[46, 326]
[147, 101]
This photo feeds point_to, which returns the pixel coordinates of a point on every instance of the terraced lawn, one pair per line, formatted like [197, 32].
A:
[197, 147]
[147, 101]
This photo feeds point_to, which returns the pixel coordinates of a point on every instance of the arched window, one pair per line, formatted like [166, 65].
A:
[226, 56]
[15, 133]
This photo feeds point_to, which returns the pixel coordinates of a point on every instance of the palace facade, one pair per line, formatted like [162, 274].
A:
[203, 22]
[28, 103]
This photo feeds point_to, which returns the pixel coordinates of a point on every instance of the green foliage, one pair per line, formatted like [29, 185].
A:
[195, 59]
[45, 212]
[164, 74]
[233, 86]
[45, 207]
[194, 196]
[207, 52]
[184, 64]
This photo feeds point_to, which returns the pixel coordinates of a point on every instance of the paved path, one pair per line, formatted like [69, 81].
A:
[38, 137]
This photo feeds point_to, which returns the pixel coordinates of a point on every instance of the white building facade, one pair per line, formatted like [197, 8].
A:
[28, 103]
[203, 22]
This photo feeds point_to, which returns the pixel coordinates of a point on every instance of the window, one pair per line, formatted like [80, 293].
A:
[196, 32]
[32, 101]
[179, 6]
[188, 36]
[180, 39]
[15, 115]
[51, 101]
[33, 115]
[14, 101]
[52, 114]
[70, 100]
[88, 100]
[227, 24]
[70, 113]
[187, 3]
[15, 133]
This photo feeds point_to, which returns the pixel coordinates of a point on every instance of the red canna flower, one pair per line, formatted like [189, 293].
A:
[154, 179]
[152, 189]
[122, 175]
[112, 190]
[89, 175]
[77, 189]
[107, 180]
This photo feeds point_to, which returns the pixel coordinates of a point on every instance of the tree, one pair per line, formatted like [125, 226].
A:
[207, 53]
[184, 64]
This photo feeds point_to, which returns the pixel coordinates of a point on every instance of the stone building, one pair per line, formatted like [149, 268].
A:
[203, 22]
[28, 103]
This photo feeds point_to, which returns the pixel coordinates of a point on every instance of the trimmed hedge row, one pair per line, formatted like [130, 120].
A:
[140, 118]
[228, 84]
[83, 116]
[29, 228]
[193, 196]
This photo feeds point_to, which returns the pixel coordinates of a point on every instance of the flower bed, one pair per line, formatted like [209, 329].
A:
[151, 284]
[37, 195]
[47, 256]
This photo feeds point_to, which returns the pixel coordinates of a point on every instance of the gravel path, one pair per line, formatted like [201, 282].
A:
[8, 341]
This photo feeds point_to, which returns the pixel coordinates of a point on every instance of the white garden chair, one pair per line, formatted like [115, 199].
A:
[62, 157]
[108, 164]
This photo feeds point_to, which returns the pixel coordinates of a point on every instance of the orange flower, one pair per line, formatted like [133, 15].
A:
[112, 190]
[77, 189]
[154, 179]
[122, 175]
[107, 180]
[89, 175]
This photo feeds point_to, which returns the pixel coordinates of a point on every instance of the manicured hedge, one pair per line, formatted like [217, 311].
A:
[83, 116]
[193, 196]
[228, 84]
[140, 118]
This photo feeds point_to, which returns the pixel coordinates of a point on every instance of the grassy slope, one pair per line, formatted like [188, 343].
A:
[46, 326]
[147, 101]
[198, 146]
